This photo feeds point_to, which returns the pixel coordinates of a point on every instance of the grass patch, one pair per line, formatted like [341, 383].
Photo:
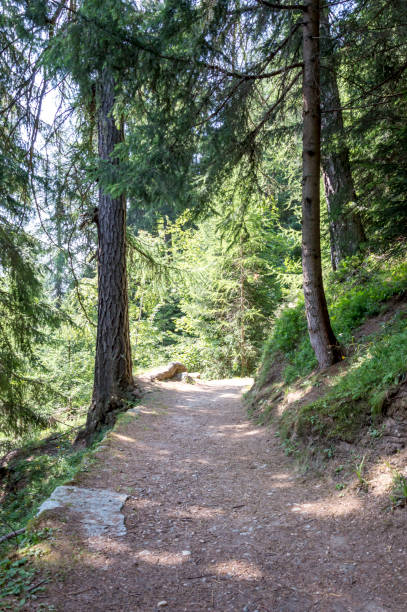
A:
[32, 479]
[398, 495]
[355, 398]
[359, 290]
[20, 581]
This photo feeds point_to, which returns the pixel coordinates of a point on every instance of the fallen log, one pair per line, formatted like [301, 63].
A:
[12, 534]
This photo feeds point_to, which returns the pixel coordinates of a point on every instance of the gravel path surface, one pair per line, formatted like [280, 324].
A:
[218, 520]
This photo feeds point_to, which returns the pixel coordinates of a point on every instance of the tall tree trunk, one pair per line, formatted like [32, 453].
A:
[243, 358]
[113, 371]
[345, 227]
[322, 338]
[59, 258]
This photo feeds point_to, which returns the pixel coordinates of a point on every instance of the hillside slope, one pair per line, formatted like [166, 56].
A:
[355, 410]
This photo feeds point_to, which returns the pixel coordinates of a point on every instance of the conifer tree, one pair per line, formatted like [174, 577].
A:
[113, 367]
[23, 310]
[231, 106]
[322, 337]
[371, 36]
[86, 51]
[345, 225]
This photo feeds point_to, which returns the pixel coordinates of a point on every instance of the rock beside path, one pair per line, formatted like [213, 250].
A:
[168, 372]
[98, 509]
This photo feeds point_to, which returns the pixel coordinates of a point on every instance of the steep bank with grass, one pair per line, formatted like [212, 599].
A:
[359, 401]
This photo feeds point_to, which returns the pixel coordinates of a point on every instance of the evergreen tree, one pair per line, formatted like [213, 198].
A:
[322, 337]
[231, 106]
[373, 68]
[113, 366]
[84, 50]
[231, 286]
[23, 310]
[345, 225]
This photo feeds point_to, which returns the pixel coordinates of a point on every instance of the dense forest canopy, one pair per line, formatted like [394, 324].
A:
[161, 168]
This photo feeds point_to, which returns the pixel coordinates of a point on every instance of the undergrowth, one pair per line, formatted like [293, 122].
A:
[20, 582]
[30, 478]
[356, 292]
[398, 495]
[356, 394]
[41, 463]
[355, 397]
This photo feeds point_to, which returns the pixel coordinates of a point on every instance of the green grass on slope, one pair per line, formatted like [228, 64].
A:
[33, 478]
[356, 397]
[355, 293]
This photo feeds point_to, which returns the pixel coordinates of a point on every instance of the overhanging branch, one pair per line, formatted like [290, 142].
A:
[288, 7]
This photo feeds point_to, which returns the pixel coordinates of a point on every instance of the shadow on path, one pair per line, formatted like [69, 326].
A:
[217, 520]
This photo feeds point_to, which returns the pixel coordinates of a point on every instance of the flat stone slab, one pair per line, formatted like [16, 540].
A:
[99, 509]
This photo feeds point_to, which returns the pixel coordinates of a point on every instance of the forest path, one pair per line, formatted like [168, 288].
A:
[218, 520]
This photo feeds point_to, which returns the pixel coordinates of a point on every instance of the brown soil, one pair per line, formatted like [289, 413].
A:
[217, 519]
[396, 304]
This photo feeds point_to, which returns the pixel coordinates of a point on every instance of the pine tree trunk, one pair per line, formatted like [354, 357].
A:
[59, 259]
[113, 371]
[243, 359]
[322, 338]
[345, 227]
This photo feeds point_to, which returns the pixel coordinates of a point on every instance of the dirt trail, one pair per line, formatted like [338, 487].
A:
[217, 520]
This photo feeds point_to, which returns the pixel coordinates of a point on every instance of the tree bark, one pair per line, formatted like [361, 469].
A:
[113, 370]
[345, 227]
[321, 335]
[243, 359]
[59, 259]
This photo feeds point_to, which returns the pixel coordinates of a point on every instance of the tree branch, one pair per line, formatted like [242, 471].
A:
[13, 534]
[251, 77]
[188, 60]
[271, 110]
[373, 104]
[288, 7]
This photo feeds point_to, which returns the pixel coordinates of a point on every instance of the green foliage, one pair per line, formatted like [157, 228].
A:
[40, 466]
[33, 479]
[356, 395]
[21, 315]
[24, 309]
[230, 290]
[67, 358]
[363, 288]
[353, 398]
[357, 291]
[223, 277]
[377, 127]
[15, 581]
[359, 471]
[398, 496]
[19, 580]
